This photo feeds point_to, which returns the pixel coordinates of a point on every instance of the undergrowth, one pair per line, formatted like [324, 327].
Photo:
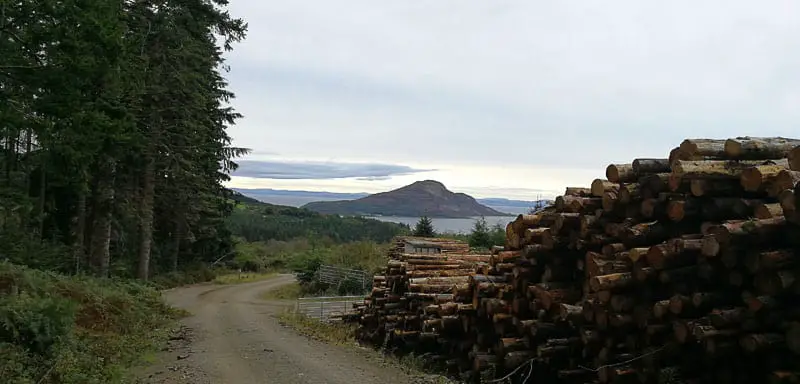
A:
[59, 329]
[289, 291]
[331, 333]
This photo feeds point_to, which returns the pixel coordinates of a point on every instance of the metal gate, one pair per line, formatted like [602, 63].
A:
[334, 275]
[321, 308]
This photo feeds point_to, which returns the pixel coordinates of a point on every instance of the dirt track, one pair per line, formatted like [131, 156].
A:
[233, 337]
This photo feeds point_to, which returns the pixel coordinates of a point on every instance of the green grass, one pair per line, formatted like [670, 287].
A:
[284, 292]
[331, 333]
[245, 277]
[71, 330]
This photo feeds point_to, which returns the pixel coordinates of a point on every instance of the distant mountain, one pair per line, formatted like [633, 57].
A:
[422, 198]
[297, 198]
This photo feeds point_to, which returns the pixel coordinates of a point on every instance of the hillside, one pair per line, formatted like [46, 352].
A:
[299, 198]
[257, 221]
[422, 198]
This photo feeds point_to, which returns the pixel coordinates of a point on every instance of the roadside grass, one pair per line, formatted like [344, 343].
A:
[331, 333]
[76, 329]
[284, 292]
[244, 277]
[343, 334]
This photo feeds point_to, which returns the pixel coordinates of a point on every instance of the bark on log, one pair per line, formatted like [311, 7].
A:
[645, 166]
[767, 211]
[794, 159]
[755, 178]
[620, 173]
[715, 188]
[578, 191]
[719, 169]
[703, 147]
[757, 148]
[612, 281]
[628, 193]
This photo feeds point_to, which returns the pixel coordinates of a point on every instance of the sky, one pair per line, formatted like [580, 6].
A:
[516, 99]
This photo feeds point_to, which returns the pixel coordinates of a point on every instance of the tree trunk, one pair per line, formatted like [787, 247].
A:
[146, 217]
[79, 230]
[177, 239]
[101, 231]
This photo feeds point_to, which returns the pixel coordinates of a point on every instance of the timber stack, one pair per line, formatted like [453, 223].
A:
[682, 269]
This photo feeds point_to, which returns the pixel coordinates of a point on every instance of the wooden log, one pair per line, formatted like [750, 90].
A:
[719, 169]
[767, 210]
[787, 200]
[612, 281]
[794, 159]
[762, 342]
[758, 148]
[770, 260]
[645, 166]
[715, 187]
[620, 173]
[600, 186]
[759, 230]
[784, 180]
[703, 147]
[755, 178]
[578, 191]
[610, 199]
[567, 221]
[776, 282]
[628, 193]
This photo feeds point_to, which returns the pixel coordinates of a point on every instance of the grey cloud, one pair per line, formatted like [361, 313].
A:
[468, 82]
[274, 169]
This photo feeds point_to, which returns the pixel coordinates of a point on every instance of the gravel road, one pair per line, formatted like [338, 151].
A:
[233, 337]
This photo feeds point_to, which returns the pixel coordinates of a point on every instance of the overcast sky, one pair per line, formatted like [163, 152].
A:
[500, 98]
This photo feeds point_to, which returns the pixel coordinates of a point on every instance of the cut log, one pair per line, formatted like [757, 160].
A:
[645, 166]
[578, 191]
[758, 148]
[770, 260]
[600, 186]
[787, 200]
[628, 193]
[719, 169]
[785, 179]
[759, 230]
[794, 159]
[767, 211]
[755, 178]
[620, 173]
[715, 188]
[703, 147]
[610, 199]
[612, 281]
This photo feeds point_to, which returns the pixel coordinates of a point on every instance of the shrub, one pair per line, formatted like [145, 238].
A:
[59, 329]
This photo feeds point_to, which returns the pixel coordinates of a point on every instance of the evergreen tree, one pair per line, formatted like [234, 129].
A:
[480, 236]
[424, 227]
[113, 142]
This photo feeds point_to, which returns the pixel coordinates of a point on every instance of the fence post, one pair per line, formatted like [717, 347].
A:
[321, 309]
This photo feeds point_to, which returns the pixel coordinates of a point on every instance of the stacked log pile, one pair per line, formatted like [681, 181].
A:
[398, 313]
[681, 269]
